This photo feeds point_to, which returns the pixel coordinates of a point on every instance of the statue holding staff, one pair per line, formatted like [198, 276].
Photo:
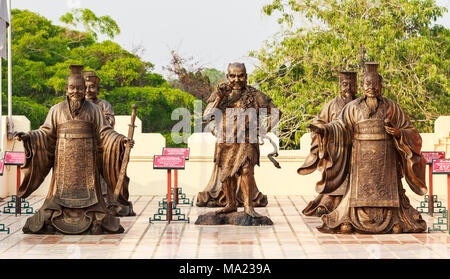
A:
[124, 206]
[79, 144]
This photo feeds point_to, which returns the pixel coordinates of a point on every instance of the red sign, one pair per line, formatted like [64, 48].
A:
[176, 152]
[14, 158]
[431, 155]
[2, 164]
[441, 166]
[168, 162]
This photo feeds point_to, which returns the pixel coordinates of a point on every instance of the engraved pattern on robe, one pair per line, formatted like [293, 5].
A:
[40, 159]
[335, 145]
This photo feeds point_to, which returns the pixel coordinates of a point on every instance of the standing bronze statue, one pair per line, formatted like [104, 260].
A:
[79, 144]
[124, 207]
[235, 159]
[92, 88]
[325, 203]
[374, 143]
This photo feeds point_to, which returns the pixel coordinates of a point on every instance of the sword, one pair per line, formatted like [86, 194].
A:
[126, 157]
[274, 153]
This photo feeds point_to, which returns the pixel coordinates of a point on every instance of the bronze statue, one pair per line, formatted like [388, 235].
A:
[325, 203]
[214, 196]
[125, 207]
[234, 159]
[375, 145]
[92, 81]
[79, 144]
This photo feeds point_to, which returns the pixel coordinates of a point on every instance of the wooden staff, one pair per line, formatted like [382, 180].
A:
[126, 157]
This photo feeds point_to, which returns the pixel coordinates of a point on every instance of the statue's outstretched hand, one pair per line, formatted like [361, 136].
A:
[21, 136]
[319, 129]
[222, 88]
[125, 141]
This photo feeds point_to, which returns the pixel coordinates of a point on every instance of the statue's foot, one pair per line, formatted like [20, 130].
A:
[346, 228]
[321, 210]
[251, 212]
[397, 229]
[227, 209]
[325, 229]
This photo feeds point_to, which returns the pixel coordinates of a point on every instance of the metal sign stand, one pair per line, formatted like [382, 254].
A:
[181, 198]
[443, 222]
[16, 205]
[169, 208]
[431, 204]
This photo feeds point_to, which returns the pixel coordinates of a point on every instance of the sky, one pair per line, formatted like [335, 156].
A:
[213, 32]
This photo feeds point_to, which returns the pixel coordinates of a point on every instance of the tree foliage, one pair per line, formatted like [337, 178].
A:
[42, 53]
[299, 71]
[155, 106]
[215, 76]
[91, 23]
[190, 77]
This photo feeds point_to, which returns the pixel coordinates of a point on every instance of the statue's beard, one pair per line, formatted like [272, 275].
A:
[238, 85]
[234, 95]
[372, 104]
[75, 105]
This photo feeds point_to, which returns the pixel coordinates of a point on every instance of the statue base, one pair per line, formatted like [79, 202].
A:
[234, 218]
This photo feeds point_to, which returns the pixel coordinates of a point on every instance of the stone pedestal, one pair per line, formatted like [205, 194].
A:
[235, 218]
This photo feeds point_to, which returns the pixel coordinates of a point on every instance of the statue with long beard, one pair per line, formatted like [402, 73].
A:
[77, 142]
[374, 143]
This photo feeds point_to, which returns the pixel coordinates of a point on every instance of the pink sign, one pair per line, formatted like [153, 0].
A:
[14, 158]
[168, 162]
[177, 152]
[441, 166]
[2, 164]
[431, 155]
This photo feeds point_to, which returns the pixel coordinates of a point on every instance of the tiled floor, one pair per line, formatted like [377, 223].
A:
[293, 235]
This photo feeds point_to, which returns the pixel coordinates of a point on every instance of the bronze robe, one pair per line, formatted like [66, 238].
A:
[126, 208]
[107, 110]
[375, 161]
[230, 157]
[79, 149]
[329, 201]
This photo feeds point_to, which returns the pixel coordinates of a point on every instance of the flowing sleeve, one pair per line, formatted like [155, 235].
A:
[311, 161]
[334, 151]
[109, 113]
[409, 144]
[111, 156]
[39, 155]
[209, 116]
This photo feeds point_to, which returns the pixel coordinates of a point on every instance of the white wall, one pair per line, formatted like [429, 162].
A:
[270, 180]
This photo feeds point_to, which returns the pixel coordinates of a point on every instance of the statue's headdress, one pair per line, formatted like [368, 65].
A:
[75, 71]
[91, 76]
[371, 69]
[353, 76]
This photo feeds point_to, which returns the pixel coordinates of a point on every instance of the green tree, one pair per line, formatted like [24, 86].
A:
[42, 53]
[155, 105]
[299, 71]
[190, 77]
[91, 23]
[215, 76]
